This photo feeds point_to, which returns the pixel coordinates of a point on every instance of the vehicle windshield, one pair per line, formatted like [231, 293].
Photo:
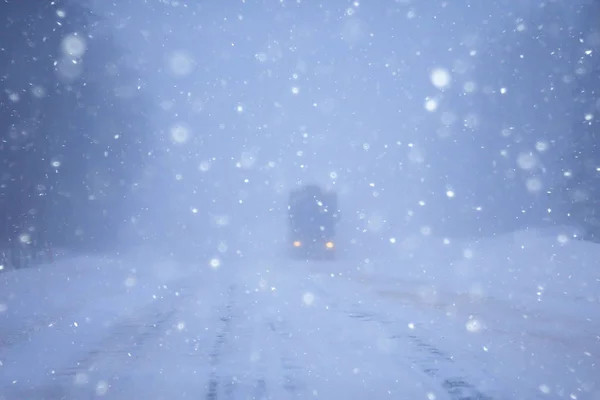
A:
[311, 213]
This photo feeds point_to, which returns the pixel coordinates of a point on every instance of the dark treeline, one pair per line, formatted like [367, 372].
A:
[72, 126]
[582, 156]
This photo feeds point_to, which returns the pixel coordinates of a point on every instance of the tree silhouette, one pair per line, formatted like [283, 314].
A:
[71, 122]
[582, 161]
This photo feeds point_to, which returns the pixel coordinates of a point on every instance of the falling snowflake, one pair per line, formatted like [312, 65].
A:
[440, 78]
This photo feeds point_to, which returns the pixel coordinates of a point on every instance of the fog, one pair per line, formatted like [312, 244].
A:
[430, 119]
[150, 148]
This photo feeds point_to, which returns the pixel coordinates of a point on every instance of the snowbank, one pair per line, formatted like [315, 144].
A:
[522, 307]
[532, 267]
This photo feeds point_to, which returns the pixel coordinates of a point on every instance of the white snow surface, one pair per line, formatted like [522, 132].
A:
[514, 317]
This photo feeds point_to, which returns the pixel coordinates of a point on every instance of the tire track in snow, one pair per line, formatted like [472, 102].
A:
[253, 353]
[457, 387]
[431, 360]
[268, 371]
[214, 380]
[290, 367]
[127, 334]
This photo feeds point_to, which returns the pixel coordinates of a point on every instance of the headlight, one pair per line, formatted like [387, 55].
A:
[329, 245]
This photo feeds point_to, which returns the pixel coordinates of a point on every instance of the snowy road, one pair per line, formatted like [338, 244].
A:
[263, 331]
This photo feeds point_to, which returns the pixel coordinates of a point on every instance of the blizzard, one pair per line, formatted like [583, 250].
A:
[510, 317]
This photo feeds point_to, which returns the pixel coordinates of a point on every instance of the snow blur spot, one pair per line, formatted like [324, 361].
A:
[448, 118]
[440, 78]
[469, 87]
[526, 161]
[471, 121]
[180, 64]
[214, 263]
[355, 371]
[503, 90]
[38, 92]
[74, 46]
[130, 281]
[61, 13]
[239, 108]
[3, 307]
[562, 239]
[247, 160]
[450, 193]
[166, 104]
[476, 291]
[308, 298]
[221, 220]
[262, 283]
[411, 325]
[101, 388]
[544, 389]
[431, 105]
[375, 223]
[180, 133]
[204, 166]
[68, 69]
[55, 163]
[353, 31]
[295, 90]
[25, 238]
[542, 146]
[460, 66]
[425, 231]
[474, 325]
[431, 396]
[254, 356]
[80, 378]
[262, 57]
[222, 247]
[416, 156]
[468, 253]
[534, 185]
[181, 326]
[392, 240]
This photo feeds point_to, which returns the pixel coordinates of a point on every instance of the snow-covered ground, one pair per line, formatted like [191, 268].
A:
[515, 317]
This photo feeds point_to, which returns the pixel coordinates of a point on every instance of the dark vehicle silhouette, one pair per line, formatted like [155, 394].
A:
[313, 215]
